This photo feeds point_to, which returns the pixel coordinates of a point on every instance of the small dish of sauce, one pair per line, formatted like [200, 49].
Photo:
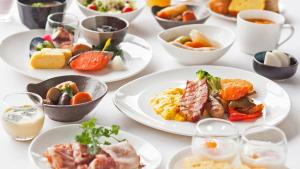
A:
[22, 122]
[259, 21]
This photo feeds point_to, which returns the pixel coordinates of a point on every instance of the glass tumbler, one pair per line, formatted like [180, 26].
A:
[64, 28]
[22, 115]
[215, 139]
[264, 146]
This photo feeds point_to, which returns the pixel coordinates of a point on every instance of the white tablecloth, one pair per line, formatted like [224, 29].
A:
[13, 155]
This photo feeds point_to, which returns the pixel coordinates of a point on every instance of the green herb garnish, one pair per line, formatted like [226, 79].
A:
[68, 90]
[109, 47]
[93, 137]
[214, 83]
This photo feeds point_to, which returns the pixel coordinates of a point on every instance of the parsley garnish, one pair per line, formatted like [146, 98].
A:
[93, 137]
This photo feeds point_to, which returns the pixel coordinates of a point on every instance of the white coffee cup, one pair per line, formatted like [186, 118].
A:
[253, 37]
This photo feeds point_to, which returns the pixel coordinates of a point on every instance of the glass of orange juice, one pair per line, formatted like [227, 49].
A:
[161, 3]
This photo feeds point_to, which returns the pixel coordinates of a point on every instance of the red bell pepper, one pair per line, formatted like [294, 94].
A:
[237, 116]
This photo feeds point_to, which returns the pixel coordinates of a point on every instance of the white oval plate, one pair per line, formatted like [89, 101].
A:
[233, 19]
[176, 161]
[133, 98]
[14, 51]
[150, 157]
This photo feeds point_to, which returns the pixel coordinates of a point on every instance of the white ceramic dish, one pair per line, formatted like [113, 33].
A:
[14, 51]
[150, 157]
[234, 19]
[221, 35]
[130, 16]
[133, 98]
[176, 161]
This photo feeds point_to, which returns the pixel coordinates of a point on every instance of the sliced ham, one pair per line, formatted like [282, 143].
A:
[193, 101]
[103, 161]
[124, 155]
[80, 154]
[61, 156]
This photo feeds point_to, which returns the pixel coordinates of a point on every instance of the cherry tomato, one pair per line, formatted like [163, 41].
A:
[127, 9]
[92, 6]
[47, 37]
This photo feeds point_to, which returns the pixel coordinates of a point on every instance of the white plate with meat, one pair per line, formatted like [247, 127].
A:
[58, 145]
[137, 55]
[133, 99]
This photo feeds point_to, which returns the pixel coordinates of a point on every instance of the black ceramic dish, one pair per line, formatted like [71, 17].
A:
[273, 72]
[89, 27]
[70, 113]
[36, 17]
[202, 15]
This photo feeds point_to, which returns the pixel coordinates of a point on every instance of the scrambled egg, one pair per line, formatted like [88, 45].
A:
[197, 163]
[166, 104]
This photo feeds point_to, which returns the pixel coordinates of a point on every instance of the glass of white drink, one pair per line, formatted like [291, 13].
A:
[215, 139]
[264, 146]
[22, 115]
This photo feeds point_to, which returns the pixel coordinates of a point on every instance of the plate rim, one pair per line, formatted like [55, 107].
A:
[138, 117]
[149, 48]
[158, 163]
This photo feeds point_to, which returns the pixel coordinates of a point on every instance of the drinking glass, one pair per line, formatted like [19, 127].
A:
[215, 139]
[264, 146]
[5, 9]
[64, 27]
[22, 115]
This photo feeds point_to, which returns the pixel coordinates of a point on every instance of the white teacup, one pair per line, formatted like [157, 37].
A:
[253, 37]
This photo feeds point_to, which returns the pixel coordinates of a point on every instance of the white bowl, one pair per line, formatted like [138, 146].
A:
[129, 16]
[222, 35]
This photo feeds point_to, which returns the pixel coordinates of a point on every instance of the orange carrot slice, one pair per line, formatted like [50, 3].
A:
[80, 97]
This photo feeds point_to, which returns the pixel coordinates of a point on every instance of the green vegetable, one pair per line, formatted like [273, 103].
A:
[109, 47]
[214, 83]
[87, 2]
[68, 90]
[93, 137]
[44, 44]
[38, 4]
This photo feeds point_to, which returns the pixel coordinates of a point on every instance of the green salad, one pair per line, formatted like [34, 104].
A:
[114, 6]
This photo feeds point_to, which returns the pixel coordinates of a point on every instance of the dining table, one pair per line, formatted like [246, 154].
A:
[14, 154]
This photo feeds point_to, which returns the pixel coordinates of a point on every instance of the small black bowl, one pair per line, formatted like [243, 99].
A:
[36, 17]
[90, 24]
[201, 13]
[273, 72]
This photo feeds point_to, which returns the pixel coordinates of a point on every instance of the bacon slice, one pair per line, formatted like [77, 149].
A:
[193, 100]
[124, 155]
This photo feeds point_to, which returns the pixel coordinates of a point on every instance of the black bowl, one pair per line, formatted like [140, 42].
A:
[202, 15]
[70, 113]
[273, 72]
[90, 24]
[36, 17]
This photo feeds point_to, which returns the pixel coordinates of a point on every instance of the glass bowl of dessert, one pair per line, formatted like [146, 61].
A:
[22, 115]
[263, 146]
[216, 140]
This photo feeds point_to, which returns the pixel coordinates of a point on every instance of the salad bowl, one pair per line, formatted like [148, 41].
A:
[129, 16]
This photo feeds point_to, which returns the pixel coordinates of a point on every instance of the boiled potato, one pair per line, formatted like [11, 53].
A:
[48, 60]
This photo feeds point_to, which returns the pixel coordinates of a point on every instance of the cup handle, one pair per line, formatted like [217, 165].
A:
[292, 30]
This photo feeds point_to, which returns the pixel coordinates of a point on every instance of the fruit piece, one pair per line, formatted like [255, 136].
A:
[64, 99]
[127, 9]
[92, 6]
[48, 60]
[90, 61]
[53, 94]
[64, 85]
[79, 48]
[234, 89]
[211, 144]
[188, 16]
[80, 97]
[199, 37]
